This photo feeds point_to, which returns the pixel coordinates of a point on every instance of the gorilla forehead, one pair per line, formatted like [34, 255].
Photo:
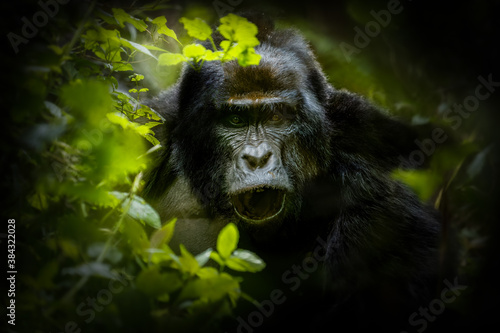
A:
[277, 71]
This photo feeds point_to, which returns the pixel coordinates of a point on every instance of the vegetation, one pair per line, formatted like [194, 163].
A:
[90, 155]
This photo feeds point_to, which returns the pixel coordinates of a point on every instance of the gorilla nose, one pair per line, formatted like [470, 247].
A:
[259, 157]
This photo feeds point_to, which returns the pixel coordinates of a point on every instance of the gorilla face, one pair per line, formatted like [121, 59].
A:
[250, 140]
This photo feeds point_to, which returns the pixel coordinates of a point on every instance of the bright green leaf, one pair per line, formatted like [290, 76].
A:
[136, 77]
[217, 258]
[188, 261]
[161, 23]
[194, 51]
[160, 20]
[239, 29]
[248, 57]
[207, 272]
[227, 240]
[169, 59]
[122, 67]
[197, 28]
[212, 56]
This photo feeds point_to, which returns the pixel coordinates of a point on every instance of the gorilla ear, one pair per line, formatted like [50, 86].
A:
[361, 128]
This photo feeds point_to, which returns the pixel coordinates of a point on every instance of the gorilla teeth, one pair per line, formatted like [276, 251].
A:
[259, 204]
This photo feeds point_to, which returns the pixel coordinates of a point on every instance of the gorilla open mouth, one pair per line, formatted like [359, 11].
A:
[259, 204]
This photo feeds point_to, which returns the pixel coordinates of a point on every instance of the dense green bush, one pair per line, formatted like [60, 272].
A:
[90, 152]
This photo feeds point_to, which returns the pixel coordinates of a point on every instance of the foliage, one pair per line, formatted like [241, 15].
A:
[239, 43]
[91, 144]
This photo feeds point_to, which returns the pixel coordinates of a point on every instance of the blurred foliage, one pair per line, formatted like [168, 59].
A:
[88, 140]
[94, 255]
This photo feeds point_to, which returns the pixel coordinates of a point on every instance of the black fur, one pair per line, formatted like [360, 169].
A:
[337, 155]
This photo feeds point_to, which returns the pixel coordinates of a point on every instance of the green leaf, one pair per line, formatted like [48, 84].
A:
[169, 59]
[203, 257]
[156, 284]
[245, 261]
[142, 211]
[119, 119]
[212, 56]
[134, 234]
[194, 51]
[155, 48]
[207, 273]
[163, 235]
[136, 77]
[227, 241]
[122, 17]
[139, 209]
[238, 29]
[122, 67]
[161, 24]
[134, 46]
[217, 258]
[211, 289]
[188, 262]
[248, 57]
[197, 28]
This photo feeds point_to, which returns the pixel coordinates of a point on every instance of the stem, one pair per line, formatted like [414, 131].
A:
[79, 30]
[83, 280]
[227, 50]
[212, 42]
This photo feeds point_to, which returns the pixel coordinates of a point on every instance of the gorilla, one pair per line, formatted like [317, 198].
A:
[291, 160]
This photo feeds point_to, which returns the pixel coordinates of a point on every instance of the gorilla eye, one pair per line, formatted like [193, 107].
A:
[276, 117]
[235, 120]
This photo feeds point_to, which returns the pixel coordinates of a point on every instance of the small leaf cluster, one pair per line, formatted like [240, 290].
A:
[187, 283]
[240, 40]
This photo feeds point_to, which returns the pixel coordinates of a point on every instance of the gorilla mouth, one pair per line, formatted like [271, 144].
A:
[259, 204]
